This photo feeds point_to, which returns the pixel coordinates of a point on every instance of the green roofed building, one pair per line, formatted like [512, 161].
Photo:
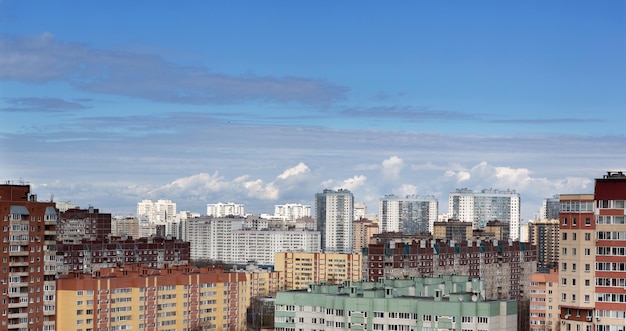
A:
[417, 304]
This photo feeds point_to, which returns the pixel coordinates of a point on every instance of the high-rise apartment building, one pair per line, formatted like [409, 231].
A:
[225, 209]
[452, 230]
[610, 251]
[550, 208]
[137, 298]
[487, 205]
[77, 224]
[233, 240]
[505, 266]
[125, 226]
[411, 214]
[363, 231]
[28, 262]
[577, 261]
[334, 213]
[545, 235]
[161, 211]
[292, 211]
[299, 269]
[89, 256]
[544, 301]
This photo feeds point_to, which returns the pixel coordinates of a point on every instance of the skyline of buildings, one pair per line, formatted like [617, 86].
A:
[584, 247]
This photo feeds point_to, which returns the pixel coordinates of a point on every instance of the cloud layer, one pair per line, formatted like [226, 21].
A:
[42, 59]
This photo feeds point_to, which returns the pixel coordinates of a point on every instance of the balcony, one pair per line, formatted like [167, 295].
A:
[19, 304]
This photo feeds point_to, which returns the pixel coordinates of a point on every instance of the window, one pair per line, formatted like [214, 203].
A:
[587, 251]
[564, 281]
[574, 236]
[573, 220]
[573, 266]
[564, 236]
[564, 250]
[564, 221]
[564, 266]
[587, 267]
[587, 221]
[563, 297]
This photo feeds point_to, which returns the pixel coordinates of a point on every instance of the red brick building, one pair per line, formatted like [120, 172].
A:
[108, 252]
[27, 281]
[505, 266]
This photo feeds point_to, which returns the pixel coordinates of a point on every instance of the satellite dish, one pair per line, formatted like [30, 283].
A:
[308, 289]
[460, 298]
[474, 298]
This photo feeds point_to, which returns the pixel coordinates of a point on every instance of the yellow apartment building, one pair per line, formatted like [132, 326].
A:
[181, 298]
[300, 269]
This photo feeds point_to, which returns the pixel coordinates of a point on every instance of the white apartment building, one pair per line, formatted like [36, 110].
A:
[487, 205]
[161, 211]
[224, 209]
[241, 240]
[292, 211]
[334, 214]
[410, 215]
[360, 211]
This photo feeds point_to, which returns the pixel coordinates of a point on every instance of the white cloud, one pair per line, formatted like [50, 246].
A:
[352, 183]
[294, 171]
[392, 166]
[256, 189]
[407, 189]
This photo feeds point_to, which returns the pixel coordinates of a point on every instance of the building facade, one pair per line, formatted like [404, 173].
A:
[610, 251]
[302, 268]
[334, 215]
[225, 209]
[577, 244]
[242, 240]
[161, 211]
[505, 266]
[487, 205]
[77, 224]
[545, 235]
[363, 231]
[89, 256]
[28, 260]
[452, 230]
[125, 226]
[292, 211]
[544, 307]
[550, 208]
[441, 303]
[411, 214]
[136, 298]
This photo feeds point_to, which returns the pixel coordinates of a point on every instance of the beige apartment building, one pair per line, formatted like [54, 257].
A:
[300, 269]
[544, 307]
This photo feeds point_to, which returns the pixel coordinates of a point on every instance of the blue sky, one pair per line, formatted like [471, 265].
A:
[262, 103]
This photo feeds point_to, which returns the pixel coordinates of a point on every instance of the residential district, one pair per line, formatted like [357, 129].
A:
[332, 266]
